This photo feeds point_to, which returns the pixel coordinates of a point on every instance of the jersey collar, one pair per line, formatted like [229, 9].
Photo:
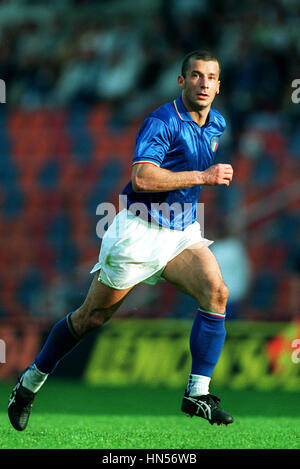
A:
[184, 114]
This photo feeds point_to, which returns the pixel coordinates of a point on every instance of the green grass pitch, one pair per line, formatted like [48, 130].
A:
[71, 415]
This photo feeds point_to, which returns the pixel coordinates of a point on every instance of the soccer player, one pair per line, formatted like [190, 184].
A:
[148, 241]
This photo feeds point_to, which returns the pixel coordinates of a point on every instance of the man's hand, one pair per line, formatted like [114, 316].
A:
[217, 174]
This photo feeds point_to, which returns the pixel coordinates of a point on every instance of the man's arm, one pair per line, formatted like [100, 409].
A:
[149, 178]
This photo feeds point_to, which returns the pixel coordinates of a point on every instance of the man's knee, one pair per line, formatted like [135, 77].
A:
[86, 319]
[100, 304]
[98, 316]
[220, 292]
[214, 296]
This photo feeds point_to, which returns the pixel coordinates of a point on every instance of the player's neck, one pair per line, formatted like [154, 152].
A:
[200, 116]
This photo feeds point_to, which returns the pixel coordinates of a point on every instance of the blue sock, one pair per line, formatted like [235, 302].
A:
[206, 341]
[61, 340]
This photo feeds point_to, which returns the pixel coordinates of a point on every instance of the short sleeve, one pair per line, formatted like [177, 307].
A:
[152, 142]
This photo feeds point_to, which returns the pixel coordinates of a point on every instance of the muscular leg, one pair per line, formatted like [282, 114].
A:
[100, 304]
[196, 272]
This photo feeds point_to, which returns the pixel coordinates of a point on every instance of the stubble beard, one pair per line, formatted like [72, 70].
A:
[194, 105]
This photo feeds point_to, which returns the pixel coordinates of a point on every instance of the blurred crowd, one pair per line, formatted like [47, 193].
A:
[67, 59]
[60, 59]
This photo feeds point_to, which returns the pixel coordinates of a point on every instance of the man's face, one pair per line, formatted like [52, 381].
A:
[200, 84]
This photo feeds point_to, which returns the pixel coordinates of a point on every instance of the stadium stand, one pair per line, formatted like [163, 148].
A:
[77, 91]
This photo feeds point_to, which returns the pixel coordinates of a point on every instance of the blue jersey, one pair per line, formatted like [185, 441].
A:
[169, 138]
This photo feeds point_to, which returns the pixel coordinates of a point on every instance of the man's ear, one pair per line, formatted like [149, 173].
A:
[180, 81]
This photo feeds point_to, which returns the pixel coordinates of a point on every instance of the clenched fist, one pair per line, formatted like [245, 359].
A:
[218, 174]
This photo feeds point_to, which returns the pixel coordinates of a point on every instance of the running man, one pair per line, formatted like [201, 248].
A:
[174, 154]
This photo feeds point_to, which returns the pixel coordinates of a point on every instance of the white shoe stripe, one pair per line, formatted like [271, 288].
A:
[203, 406]
[14, 392]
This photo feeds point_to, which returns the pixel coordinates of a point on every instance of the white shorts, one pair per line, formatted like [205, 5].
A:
[134, 251]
